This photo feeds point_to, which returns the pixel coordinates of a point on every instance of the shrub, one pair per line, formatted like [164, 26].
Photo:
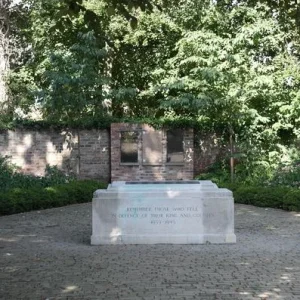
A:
[54, 176]
[276, 197]
[21, 200]
[292, 200]
[261, 196]
[282, 191]
[218, 173]
[6, 172]
[11, 179]
[287, 175]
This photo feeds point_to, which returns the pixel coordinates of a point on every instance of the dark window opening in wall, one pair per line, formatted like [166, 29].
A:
[175, 146]
[129, 147]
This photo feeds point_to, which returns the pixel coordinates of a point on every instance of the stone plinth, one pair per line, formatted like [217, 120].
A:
[184, 212]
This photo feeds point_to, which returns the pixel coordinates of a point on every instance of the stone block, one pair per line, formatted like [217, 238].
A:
[166, 212]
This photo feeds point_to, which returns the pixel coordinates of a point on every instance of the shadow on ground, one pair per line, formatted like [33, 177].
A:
[47, 255]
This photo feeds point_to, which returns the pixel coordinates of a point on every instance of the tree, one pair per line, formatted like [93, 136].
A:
[13, 50]
[73, 81]
[239, 70]
[131, 53]
[4, 51]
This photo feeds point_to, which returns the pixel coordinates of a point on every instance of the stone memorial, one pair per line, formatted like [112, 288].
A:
[163, 212]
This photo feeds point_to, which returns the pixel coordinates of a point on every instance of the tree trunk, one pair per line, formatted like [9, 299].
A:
[231, 156]
[4, 53]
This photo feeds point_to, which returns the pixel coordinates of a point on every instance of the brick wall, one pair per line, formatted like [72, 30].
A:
[85, 153]
[94, 154]
[140, 171]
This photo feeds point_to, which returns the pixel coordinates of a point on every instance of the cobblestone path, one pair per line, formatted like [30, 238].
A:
[47, 255]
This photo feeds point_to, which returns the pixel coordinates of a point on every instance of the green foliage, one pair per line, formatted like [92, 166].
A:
[6, 166]
[137, 54]
[104, 123]
[10, 178]
[227, 66]
[275, 197]
[83, 123]
[54, 176]
[292, 200]
[73, 80]
[270, 168]
[281, 171]
[218, 173]
[20, 193]
[261, 196]
[287, 175]
[237, 71]
[7, 171]
[19, 200]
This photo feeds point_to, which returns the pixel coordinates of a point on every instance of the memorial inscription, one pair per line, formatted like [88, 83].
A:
[175, 213]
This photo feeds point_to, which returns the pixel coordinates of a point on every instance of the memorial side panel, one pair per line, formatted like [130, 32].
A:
[222, 211]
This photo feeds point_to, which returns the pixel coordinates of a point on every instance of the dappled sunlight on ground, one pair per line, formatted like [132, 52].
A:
[70, 288]
[285, 277]
[244, 263]
[47, 255]
[270, 227]
[21, 237]
[39, 241]
[9, 239]
[269, 295]
[26, 235]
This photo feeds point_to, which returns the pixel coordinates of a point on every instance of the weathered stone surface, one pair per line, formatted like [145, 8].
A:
[165, 213]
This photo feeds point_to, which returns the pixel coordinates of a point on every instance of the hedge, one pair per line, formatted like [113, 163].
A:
[21, 200]
[276, 197]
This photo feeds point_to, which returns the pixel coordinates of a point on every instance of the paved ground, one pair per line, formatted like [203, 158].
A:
[46, 255]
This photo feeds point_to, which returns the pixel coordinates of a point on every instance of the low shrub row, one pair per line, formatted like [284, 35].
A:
[19, 200]
[10, 178]
[283, 191]
[276, 197]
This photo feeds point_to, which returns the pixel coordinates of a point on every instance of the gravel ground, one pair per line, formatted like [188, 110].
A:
[47, 255]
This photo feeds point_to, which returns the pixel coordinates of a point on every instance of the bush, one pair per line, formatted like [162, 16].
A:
[54, 176]
[292, 200]
[20, 200]
[287, 175]
[282, 191]
[261, 196]
[276, 197]
[6, 172]
[11, 179]
[218, 172]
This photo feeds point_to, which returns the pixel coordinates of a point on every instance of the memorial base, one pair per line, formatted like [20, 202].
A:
[164, 239]
[193, 212]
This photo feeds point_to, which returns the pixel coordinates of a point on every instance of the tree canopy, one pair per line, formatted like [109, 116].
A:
[228, 65]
